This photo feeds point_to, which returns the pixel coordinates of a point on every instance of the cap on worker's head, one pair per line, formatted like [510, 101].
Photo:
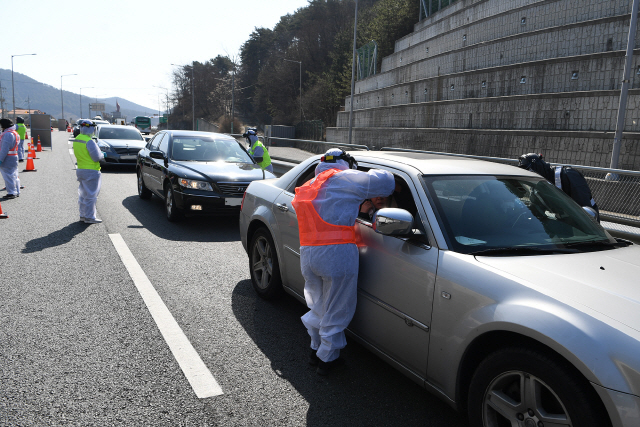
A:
[19, 119]
[87, 127]
[251, 132]
[527, 160]
[335, 158]
[6, 123]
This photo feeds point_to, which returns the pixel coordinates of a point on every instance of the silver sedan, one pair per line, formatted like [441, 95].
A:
[483, 283]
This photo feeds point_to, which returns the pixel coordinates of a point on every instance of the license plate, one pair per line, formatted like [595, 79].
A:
[233, 202]
[132, 157]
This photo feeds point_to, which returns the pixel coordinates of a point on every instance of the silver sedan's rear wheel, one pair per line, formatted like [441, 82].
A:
[263, 264]
[521, 387]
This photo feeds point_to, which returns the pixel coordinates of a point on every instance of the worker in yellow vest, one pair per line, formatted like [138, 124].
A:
[258, 151]
[22, 132]
[88, 157]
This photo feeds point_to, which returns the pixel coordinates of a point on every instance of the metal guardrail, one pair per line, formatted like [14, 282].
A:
[307, 141]
[616, 191]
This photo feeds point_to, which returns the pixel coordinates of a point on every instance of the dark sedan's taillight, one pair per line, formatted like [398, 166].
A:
[243, 196]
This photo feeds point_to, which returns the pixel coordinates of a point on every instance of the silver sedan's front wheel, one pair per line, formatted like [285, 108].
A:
[525, 388]
[263, 264]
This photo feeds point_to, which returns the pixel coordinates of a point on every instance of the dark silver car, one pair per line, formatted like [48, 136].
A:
[487, 285]
[120, 144]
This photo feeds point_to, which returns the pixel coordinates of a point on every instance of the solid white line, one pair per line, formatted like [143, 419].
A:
[201, 380]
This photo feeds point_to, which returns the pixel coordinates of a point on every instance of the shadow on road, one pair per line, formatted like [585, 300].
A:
[150, 213]
[57, 238]
[366, 392]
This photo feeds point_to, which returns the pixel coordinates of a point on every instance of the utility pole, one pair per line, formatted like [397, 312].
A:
[233, 97]
[2, 98]
[625, 88]
[353, 73]
[193, 95]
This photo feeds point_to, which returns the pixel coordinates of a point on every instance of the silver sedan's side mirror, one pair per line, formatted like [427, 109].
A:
[393, 222]
[592, 213]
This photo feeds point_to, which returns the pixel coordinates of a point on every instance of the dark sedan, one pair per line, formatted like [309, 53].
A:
[196, 173]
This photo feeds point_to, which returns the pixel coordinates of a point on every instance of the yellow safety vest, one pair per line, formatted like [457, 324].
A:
[82, 154]
[266, 159]
[22, 130]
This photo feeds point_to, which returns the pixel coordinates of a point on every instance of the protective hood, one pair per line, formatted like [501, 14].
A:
[338, 164]
[543, 169]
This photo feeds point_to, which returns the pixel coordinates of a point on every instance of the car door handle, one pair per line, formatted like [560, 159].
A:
[282, 207]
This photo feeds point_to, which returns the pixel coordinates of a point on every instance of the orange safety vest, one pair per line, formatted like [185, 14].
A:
[314, 231]
[13, 152]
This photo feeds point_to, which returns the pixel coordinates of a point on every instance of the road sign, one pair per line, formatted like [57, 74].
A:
[96, 106]
[163, 120]
[165, 115]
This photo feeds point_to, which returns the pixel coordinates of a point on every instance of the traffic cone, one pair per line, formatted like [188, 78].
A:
[30, 166]
[2, 214]
[39, 146]
[68, 128]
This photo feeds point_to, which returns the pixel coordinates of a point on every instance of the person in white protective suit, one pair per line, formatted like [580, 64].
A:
[326, 208]
[9, 141]
[88, 157]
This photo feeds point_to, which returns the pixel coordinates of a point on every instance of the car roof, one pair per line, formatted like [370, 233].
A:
[195, 133]
[441, 164]
[116, 126]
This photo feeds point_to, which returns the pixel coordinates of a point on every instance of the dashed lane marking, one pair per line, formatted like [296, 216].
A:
[202, 381]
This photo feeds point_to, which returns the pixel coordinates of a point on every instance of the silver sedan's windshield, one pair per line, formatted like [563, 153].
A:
[119, 133]
[484, 213]
[208, 150]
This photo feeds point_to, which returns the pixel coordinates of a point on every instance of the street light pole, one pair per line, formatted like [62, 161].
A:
[61, 97]
[353, 72]
[87, 87]
[300, 63]
[193, 96]
[168, 112]
[13, 90]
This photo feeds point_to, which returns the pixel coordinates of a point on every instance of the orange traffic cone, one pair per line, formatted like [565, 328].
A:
[2, 214]
[39, 146]
[30, 166]
[68, 128]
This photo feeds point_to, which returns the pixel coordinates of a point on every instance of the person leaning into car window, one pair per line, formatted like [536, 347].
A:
[326, 207]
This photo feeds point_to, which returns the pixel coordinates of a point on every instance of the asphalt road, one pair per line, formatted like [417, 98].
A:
[79, 347]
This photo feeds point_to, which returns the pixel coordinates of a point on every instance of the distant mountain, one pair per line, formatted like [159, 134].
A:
[32, 94]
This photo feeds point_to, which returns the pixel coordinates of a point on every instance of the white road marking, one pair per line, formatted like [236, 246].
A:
[201, 380]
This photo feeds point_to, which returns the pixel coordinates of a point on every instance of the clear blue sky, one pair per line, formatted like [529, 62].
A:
[125, 48]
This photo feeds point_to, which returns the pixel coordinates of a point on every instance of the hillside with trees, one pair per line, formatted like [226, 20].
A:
[266, 82]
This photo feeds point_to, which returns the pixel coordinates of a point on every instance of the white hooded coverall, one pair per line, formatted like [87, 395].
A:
[331, 271]
[9, 159]
[90, 180]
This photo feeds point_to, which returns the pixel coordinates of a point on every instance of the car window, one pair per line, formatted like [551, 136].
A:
[485, 212]
[155, 142]
[203, 149]
[305, 176]
[164, 144]
[119, 133]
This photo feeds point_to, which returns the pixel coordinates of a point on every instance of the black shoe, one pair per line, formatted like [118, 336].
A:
[313, 358]
[10, 196]
[325, 367]
[20, 161]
